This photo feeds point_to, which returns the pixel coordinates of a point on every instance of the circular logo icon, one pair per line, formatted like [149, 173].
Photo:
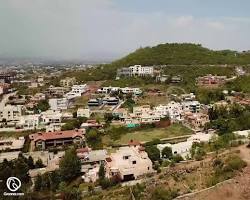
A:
[13, 184]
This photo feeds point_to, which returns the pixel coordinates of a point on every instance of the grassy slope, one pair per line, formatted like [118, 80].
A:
[157, 133]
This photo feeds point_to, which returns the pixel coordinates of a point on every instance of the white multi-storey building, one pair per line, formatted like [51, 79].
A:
[172, 109]
[51, 117]
[76, 91]
[126, 90]
[29, 122]
[10, 112]
[83, 112]
[138, 70]
[191, 106]
[59, 104]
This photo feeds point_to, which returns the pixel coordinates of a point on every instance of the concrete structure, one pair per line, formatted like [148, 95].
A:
[68, 82]
[211, 80]
[191, 106]
[59, 104]
[126, 90]
[55, 91]
[196, 121]
[10, 112]
[245, 133]
[183, 148]
[83, 112]
[52, 139]
[51, 116]
[4, 88]
[76, 91]
[128, 163]
[173, 110]
[110, 101]
[136, 70]
[12, 144]
[29, 122]
[162, 78]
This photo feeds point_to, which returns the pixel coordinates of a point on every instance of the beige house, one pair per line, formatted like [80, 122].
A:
[196, 120]
[68, 82]
[128, 163]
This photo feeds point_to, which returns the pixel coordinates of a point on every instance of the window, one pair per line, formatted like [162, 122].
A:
[125, 157]
[134, 162]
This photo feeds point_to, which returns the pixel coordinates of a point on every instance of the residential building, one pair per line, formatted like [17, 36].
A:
[83, 112]
[10, 112]
[125, 71]
[91, 124]
[183, 148]
[55, 91]
[51, 116]
[162, 78]
[128, 163]
[7, 76]
[136, 70]
[196, 121]
[29, 122]
[53, 139]
[95, 102]
[4, 88]
[191, 106]
[68, 82]
[211, 80]
[176, 79]
[12, 144]
[126, 90]
[76, 91]
[59, 104]
[173, 110]
[110, 101]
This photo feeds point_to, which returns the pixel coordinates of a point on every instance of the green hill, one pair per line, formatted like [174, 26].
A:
[182, 54]
[165, 54]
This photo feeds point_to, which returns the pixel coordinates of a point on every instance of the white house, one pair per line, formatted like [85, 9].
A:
[51, 116]
[59, 104]
[191, 106]
[76, 91]
[128, 163]
[29, 122]
[126, 90]
[172, 109]
[138, 70]
[10, 112]
[83, 112]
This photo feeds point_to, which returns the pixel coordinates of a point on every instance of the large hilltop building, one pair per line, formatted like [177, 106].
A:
[136, 70]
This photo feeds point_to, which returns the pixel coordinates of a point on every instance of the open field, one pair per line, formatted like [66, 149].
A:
[174, 130]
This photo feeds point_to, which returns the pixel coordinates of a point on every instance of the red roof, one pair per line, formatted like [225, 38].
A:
[57, 135]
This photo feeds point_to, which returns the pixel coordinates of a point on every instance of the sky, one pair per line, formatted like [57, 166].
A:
[109, 29]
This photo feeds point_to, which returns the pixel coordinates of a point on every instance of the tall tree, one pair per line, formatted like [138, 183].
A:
[70, 165]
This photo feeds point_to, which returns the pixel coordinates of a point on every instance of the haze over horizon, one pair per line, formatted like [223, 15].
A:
[109, 29]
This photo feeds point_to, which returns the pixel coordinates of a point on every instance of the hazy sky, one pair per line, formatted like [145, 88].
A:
[104, 29]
